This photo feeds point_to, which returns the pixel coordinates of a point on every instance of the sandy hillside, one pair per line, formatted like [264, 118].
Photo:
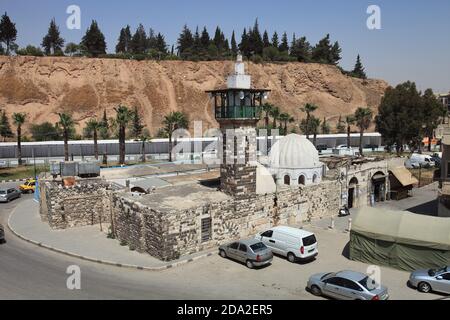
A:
[85, 87]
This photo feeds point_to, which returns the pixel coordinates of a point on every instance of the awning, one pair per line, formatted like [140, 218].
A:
[379, 176]
[404, 176]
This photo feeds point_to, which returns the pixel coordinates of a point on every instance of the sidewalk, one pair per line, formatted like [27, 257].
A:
[87, 243]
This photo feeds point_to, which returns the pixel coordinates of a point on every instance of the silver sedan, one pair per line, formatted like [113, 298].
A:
[346, 285]
[6, 195]
[428, 280]
[252, 252]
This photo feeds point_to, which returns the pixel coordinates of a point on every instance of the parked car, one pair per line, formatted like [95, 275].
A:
[420, 160]
[321, 147]
[28, 187]
[437, 157]
[6, 195]
[2, 234]
[346, 285]
[252, 252]
[342, 146]
[295, 244]
[431, 280]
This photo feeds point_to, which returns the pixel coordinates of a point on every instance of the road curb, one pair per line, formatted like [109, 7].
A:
[17, 180]
[105, 262]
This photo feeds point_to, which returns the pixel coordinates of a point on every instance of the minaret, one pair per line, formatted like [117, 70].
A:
[237, 110]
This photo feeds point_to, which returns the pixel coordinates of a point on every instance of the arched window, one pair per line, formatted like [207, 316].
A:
[314, 178]
[287, 180]
[301, 180]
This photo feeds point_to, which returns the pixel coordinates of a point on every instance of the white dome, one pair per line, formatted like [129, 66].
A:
[294, 151]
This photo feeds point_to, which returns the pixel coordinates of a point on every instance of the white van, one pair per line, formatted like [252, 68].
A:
[295, 244]
[420, 160]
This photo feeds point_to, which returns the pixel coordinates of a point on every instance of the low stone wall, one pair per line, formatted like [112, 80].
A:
[169, 234]
[85, 203]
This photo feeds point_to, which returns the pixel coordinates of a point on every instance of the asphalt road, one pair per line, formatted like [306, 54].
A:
[30, 272]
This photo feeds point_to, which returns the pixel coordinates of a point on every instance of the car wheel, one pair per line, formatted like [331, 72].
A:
[249, 264]
[424, 287]
[222, 253]
[315, 290]
[291, 257]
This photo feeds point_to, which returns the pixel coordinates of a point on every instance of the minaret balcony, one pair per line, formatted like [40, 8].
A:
[238, 112]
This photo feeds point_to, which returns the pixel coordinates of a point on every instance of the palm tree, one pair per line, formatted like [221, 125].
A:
[308, 108]
[285, 118]
[314, 126]
[363, 118]
[67, 123]
[349, 121]
[93, 125]
[173, 121]
[19, 120]
[275, 114]
[123, 117]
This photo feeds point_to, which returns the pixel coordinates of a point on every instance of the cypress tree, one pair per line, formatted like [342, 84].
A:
[136, 124]
[266, 41]
[52, 42]
[197, 42]
[244, 45]
[5, 128]
[322, 51]
[301, 50]
[234, 47]
[152, 39]
[94, 40]
[8, 32]
[335, 54]
[255, 40]
[284, 46]
[161, 45]
[275, 40]
[205, 40]
[358, 71]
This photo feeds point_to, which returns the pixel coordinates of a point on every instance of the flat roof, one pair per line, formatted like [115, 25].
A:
[179, 197]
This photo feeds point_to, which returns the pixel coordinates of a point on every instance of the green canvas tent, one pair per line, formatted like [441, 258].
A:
[400, 239]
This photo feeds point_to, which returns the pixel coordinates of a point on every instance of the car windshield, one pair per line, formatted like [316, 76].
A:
[433, 272]
[332, 274]
[2, 192]
[258, 247]
[369, 284]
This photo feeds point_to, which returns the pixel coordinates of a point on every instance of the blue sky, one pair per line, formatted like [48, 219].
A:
[413, 44]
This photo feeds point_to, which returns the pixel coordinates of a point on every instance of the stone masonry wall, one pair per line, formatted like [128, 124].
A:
[85, 203]
[169, 235]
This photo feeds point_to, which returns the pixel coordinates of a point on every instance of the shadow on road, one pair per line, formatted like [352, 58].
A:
[428, 208]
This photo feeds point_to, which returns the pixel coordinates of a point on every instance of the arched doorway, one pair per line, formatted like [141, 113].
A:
[301, 180]
[378, 192]
[287, 180]
[352, 193]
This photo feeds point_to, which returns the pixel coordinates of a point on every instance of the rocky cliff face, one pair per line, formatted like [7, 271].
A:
[85, 87]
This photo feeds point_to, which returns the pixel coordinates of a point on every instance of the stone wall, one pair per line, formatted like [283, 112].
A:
[169, 234]
[85, 203]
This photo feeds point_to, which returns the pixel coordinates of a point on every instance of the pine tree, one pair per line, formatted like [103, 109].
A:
[124, 42]
[139, 40]
[358, 71]
[322, 52]
[94, 40]
[335, 54]
[197, 43]
[8, 32]
[301, 50]
[275, 40]
[284, 46]
[52, 42]
[234, 47]
[185, 43]
[266, 41]
[152, 39]
[161, 45]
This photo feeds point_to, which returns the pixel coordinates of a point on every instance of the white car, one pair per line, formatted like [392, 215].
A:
[419, 160]
[295, 244]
